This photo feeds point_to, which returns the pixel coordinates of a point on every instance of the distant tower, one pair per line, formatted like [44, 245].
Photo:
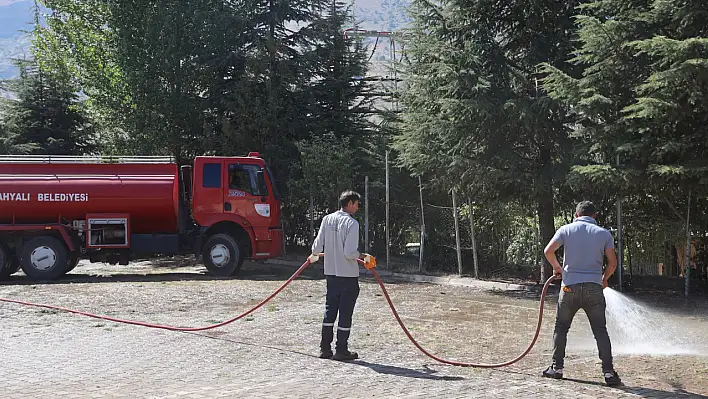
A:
[388, 77]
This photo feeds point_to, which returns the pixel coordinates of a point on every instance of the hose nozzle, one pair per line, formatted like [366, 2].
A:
[369, 262]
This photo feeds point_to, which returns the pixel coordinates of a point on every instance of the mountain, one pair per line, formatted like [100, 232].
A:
[379, 15]
[16, 16]
[382, 15]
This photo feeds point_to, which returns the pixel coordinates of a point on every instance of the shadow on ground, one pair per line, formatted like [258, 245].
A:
[427, 373]
[678, 391]
[153, 271]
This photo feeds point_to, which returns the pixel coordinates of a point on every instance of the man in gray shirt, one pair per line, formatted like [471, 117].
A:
[338, 237]
[584, 246]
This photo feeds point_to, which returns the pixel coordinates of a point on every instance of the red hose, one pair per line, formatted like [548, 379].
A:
[466, 364]
[271, 296]
[164, 327]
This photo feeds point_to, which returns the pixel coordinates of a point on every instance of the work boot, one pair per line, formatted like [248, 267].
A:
[325, 353]
[326, 342]
[552, 372]
[345, 356]
[612, 379]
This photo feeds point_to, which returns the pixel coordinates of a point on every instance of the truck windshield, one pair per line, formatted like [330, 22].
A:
[243, 179]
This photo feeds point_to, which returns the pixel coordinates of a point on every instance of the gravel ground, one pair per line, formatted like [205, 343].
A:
[271, 353]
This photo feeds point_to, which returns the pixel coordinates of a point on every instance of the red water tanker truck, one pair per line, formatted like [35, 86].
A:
[55, 210]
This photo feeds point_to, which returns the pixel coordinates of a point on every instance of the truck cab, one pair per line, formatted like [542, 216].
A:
[236, 197]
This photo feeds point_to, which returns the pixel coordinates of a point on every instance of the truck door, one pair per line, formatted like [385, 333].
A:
[209, 188]
[242, 193]
[246, 193]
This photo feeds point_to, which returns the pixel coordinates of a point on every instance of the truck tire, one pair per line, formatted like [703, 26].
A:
[44, 258]
[73, 261]
[14, 264]
[7, 266]
[222, 255]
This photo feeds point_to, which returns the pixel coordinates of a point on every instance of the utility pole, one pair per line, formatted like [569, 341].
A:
[457, 232]
[312, 216]
[474, 240]
[620, 257]
[422, 226]
[366, 214]
[388, 233]
[687, 258]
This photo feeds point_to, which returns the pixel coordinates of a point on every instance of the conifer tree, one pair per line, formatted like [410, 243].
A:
[476, 117]
[45, 116]
[641, 94]
[335, 96]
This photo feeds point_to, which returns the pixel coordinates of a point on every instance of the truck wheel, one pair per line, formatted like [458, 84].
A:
[6, 268]
[222, 255]
[14, 263]
[44, 258]
[73, 261]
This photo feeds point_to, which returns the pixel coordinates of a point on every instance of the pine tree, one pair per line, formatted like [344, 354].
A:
[171, 56]
[641, 97]
[336, 99]
[640, 94]
[297, 82]
[335, 107]
[215, 77]
[670, 113]
[45, 117]
[475, 116]
[9, 140]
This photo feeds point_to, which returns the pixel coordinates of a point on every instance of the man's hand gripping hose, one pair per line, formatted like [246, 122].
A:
[369, 263]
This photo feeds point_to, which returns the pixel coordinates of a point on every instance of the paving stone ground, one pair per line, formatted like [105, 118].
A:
[272, 353]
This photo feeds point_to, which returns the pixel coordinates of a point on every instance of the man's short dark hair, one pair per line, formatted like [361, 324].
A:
[586, 208]
[348, 196]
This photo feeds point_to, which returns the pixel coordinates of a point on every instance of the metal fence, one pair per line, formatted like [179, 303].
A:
[656, 253]
[411, 230]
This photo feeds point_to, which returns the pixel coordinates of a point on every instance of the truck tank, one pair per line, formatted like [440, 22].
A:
[49, 190]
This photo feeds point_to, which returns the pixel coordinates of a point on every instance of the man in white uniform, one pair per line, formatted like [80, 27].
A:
[338, 238]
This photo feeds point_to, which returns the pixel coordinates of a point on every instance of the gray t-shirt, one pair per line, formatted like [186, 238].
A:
[584, 244]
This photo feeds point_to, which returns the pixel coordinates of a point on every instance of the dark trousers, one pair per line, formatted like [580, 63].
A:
[342, 293]
[589, 297]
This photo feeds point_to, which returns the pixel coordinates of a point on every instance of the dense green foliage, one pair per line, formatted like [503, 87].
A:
[522, 106]
[641, 93]
[46, 116]
[474, 95]
[529, 103]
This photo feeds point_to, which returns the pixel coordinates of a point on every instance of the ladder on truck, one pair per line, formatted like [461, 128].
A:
[85, 159]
